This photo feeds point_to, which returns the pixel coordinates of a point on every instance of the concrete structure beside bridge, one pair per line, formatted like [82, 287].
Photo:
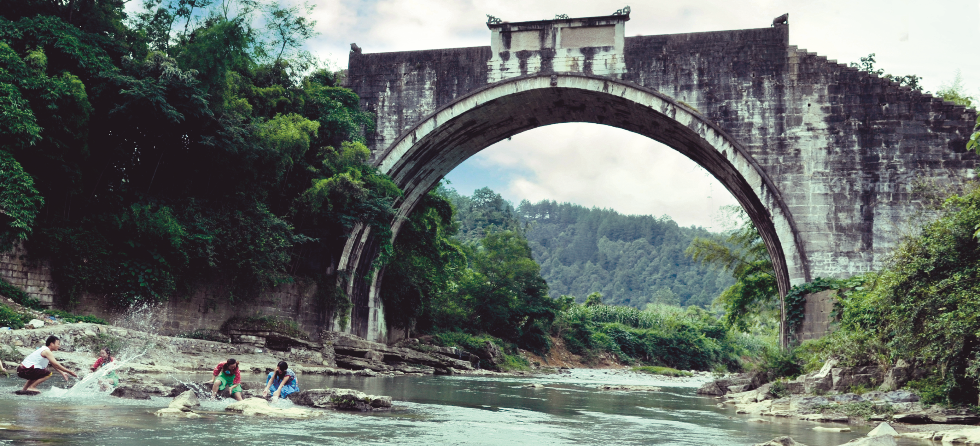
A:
[822, 156]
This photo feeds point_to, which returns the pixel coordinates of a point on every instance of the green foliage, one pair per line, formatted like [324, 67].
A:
[931, 390]
[659, 335]
[176, 149]
[631, 260]
[593, 299]
[775, 362]
[955, 92]
[13, 319]
[743, 254]
[868, 65]
[665, 371]
[18, 295]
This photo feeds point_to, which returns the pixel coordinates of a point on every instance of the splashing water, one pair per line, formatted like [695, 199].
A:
[92, 383]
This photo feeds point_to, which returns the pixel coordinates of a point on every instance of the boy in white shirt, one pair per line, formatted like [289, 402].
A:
[35, 370]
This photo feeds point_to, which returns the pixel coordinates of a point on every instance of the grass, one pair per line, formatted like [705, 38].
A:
[665, 371]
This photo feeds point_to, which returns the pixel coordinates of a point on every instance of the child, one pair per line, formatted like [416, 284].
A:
[282, 380]
[110, 378]
[227, 377]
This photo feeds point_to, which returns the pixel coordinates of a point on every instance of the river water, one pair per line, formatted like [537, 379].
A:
[456, 410]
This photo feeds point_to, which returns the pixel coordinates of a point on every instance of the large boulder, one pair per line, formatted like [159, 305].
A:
[897, 376]
[129, 393]
[185, 401]
[261, 407]
[348, 399]
[312, 398]
[342, 399]
[490, 353]
[822, 380]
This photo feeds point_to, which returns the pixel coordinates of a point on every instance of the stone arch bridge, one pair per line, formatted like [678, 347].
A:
[823, 157]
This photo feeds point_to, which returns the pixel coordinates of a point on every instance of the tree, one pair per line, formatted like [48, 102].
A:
[868, 65]
[288, 29]
[20, 202]
[744, 255]
[593, 299]
[955, 91]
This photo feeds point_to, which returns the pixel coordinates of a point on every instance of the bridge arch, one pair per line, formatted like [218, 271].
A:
[425, 153]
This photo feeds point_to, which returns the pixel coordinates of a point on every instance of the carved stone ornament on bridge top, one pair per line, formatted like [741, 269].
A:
[491, 20]
[624, 11]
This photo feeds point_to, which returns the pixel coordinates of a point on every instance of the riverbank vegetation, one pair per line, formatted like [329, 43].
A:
[185, 144]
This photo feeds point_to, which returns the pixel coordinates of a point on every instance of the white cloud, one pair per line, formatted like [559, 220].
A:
[600, 166]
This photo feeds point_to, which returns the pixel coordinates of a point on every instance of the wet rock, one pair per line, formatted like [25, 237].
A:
[780, 441]
[129, 393]
[261, 407]
[831, 429]
[711, 388]
[533, 386]
[171, 412]
[883, 429]
[185, 401]
[365, 372]
[348, 399]
[312, 398]
[755, 408]
[629, 388]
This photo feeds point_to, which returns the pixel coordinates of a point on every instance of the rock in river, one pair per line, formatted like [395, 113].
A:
[261, 407]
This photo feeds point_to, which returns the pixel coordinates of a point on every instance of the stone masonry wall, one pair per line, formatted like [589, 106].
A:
[207, 308]
[34, 279]
[817, 316]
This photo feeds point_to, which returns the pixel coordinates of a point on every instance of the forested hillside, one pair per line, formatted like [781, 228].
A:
[632, 260]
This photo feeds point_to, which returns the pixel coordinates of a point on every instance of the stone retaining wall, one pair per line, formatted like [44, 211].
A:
[34, 279]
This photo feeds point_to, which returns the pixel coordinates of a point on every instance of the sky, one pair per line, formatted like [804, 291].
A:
[605, 167]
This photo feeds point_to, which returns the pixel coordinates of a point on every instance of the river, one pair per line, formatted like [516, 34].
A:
[429, 410]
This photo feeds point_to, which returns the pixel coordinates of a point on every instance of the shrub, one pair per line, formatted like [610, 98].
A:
[665, 371]
[12, 319]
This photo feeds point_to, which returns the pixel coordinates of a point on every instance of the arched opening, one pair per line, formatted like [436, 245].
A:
[423, 155]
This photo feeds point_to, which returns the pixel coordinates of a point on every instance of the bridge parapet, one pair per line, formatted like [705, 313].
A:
[589, 45]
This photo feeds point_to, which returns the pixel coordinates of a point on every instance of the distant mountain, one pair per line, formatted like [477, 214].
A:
[631, 259]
